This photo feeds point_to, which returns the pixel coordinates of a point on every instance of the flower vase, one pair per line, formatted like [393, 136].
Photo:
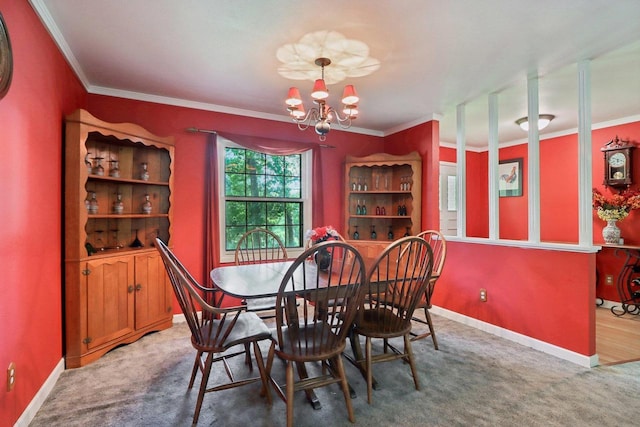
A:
[611, 232]
[323, 259]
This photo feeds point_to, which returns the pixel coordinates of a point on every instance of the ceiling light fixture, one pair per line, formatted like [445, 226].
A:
[543, 122]
[322, 114]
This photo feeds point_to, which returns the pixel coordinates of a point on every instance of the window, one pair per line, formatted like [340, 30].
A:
[263, 190]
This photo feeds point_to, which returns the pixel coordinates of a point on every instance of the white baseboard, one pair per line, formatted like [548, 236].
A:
[562, 353]
[179, 318]
[38, 400]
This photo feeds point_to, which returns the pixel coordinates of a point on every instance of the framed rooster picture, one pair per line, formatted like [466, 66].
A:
[510, 178]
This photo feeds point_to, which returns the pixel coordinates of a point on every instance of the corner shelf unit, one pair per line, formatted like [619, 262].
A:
[390, 188]
[118, 198]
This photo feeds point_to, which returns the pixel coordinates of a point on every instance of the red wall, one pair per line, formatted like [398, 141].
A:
[43, 90]
[558, 197]
[542, 294]
[521, 283]
[608, 260]
[629, 226]
[559, 189]
[528, 289]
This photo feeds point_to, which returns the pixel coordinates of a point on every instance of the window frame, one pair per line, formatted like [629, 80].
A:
[306, 192]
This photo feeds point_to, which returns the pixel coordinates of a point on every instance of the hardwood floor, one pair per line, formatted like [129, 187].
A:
[617, 338]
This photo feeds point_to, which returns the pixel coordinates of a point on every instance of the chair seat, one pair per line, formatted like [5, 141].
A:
[248, 327]
[381, 323]
[319, 342]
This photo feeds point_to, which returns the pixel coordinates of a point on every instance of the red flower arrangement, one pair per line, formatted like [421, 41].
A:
[618, 206]
[322, 234]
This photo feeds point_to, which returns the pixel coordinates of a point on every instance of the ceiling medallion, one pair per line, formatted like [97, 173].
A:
[346, 58]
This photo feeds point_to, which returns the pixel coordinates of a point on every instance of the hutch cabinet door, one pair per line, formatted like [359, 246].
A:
[153, 290]
[110, 300]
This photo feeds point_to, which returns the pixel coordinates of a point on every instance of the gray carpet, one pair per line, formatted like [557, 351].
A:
[475, 379]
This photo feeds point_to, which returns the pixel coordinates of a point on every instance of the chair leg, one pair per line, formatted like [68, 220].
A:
[427, 315]
[368, 356]
[270, 358]
[247, 356]
[409, 352]
[197, 364]
[263, 372]
[203, 386]
[430, 330]
[290, 390]
[345, 387]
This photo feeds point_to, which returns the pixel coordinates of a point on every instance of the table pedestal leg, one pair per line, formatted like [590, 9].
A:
[311, 395]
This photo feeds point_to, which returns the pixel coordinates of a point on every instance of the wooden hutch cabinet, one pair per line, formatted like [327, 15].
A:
[382, 200]
[118, 196]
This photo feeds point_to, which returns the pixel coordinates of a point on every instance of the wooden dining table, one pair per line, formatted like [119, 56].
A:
[262, 280]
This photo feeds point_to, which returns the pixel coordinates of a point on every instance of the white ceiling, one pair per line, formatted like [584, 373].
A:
[221, 55]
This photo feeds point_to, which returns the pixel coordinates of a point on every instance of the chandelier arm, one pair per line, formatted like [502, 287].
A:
[344, 122]
[312, 114]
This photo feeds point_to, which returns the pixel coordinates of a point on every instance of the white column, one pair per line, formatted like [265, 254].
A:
[494, 201]
[461, 171]
[585, 217]
[533, 167]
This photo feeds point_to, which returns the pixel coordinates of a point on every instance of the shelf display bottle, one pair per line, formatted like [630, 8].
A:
[114, 168]
[144, 172]
[118, 205]
[93, 204]
[146, 205]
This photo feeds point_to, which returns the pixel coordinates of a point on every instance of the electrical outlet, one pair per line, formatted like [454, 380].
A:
[483, 295]
[11, 376]
[608, 279]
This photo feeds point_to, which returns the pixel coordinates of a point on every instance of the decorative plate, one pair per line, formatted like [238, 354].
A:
[6, 59]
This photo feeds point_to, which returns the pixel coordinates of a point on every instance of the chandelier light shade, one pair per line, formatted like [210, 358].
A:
[297, 112]
[293, 98]
[320, 90]
[321, 114]
[543, 122]
[349, 95]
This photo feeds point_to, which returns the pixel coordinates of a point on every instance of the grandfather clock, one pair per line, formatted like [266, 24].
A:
[618, 160]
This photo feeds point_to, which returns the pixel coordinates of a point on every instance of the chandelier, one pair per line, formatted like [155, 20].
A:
[321, 114]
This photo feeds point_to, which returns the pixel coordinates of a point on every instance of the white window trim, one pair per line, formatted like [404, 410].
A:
[307, 200]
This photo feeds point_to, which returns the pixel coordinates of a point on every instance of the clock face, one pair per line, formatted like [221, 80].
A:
[617, 160]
